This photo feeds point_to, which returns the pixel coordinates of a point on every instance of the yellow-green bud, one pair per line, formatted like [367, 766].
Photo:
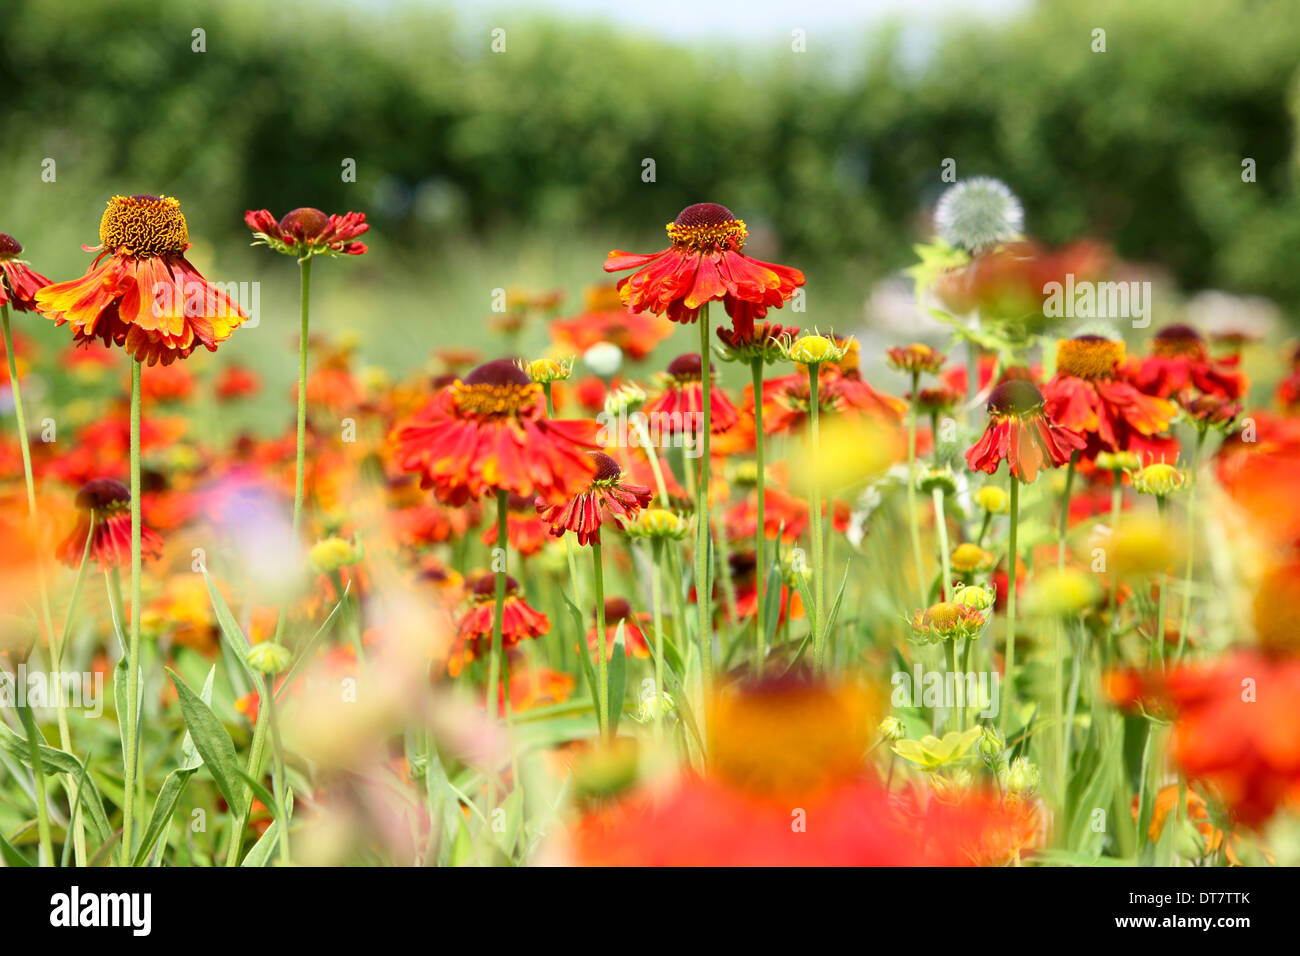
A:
[980, 598]
[814, 349]
[1022, 777]
[1158, 479]
[544, 371]
[269, 657]
[330, 554]
[891, 728]
[992, 499]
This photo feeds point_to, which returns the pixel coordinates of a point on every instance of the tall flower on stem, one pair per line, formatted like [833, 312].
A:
[142, 294]
[760, 348]
[1020, 432]
[704, 263]
[811, 351]
[608, 495]
[1162, 480]
[914, 360]
[304, 233]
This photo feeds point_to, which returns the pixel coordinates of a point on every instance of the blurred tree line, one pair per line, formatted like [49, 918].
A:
[1142, 144]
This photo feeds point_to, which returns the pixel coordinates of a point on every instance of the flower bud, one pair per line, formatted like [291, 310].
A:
[992, 499]
[544, 371]
[891, 728]
[1158, 479]
[330, 554]
[1021, 778]
[604, 359]
[980, 598]
[269, 657]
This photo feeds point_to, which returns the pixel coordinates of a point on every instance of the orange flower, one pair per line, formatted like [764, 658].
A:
[141, 292]
[19, 283]
[525, 531]
[679, 408]
[1020, 431]
[106, 503]
[489, 432]
[703, 264]
[1090, 394]
[584, 513]
[786, 399]
[236, 381]
[1180, 359]
[307, 232]
[607, 320]
[617, 611]
[1198, 813]
[473, 638]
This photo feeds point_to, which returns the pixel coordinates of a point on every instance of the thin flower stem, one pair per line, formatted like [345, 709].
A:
[941, 524]
[1064, 527]
[818, 570]
[1009, 677]
[20, 420]
[258, 745]
[602, 652]
[760, 532]
[1116, 506]
[656, 611]
[278, 782]
[133, 650]
[550, 402]
[643, 436]
[45, 849]
[498, 611]
[703, 555]
[912, 520]
[1159, 636]
[1191, 546]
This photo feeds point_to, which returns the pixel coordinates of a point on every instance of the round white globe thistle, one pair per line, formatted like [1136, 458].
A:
[978, 213]
[604, 359]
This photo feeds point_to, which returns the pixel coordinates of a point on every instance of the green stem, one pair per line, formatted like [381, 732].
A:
[941, 523]
[656, 612]
[550, 403]
[133, 648]
[257, 747]
[20, 420]
[45, 854]
[760, 533]
[498, 612]
[602, 652]
[278, 784]
[1159, 635]
[1009, 678]
[703, 555]
[912, 519]
[1116, 506]
[818, 557]
[1191, 545]
[1064, 526]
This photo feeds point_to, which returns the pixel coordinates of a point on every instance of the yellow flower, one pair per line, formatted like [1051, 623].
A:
[268, 657]
[330, 554]
[1158, 479]
[970, 557]
[931, 753]
[1063, 591]
[992, 499]
[658, 523]
[543, 371]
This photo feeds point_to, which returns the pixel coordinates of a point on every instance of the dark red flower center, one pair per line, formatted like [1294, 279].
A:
[495, 389]
[9, 246]
[486, 587]
[707, 227]
[304, 223]
[1178, 340]
[1015, 397]
[103, 495]
[686, 368]
[607, 470]
[616, 609]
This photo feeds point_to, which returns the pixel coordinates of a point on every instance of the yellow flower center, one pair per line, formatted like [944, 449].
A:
[144, 226]
[709, 237]
[1089, 356]
[495, 401]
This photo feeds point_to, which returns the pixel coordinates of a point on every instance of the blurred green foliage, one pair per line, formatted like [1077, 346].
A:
[1141, 144]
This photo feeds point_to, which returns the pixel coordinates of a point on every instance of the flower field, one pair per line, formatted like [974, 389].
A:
[673, 565]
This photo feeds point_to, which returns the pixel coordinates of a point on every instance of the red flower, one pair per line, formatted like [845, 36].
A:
[1180, 359]
[1020, 432]
[607, 320]
[141, 292]
[524, 530]
[236, 381]
[1090, 394]
[583, 513]
[634, 643]
[106, 503]
[679, 408]
[19, 283]
[307, 231]
[489, 432]
[703, 264]
[473, 639]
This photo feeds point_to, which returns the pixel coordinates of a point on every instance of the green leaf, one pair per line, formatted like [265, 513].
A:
[191, 759]
[213, 743]
[264, 848]
[231, 631]
[300, 657]
[11, 855]
[58, 761]
[259, 790]
[163, 809]
[617, 679]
